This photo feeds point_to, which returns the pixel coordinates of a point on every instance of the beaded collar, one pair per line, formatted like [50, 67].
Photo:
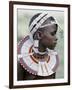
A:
[41, 67]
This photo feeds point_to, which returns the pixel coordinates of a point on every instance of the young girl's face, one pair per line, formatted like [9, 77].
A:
[49, 39]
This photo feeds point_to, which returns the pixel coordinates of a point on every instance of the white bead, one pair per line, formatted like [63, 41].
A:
[36, 43]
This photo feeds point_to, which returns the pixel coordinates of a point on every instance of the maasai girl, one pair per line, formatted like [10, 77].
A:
[37, 58]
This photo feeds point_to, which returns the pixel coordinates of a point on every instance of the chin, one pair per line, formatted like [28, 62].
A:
[52, 48]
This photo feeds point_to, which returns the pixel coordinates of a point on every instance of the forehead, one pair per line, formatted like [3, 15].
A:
[50, 28]
[53, 26]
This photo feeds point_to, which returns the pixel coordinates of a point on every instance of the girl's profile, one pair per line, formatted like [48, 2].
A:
[36, 54]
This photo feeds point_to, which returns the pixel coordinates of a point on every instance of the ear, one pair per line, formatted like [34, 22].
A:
[39, 34]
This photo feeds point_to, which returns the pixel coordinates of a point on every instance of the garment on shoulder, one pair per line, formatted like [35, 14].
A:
[28, 62]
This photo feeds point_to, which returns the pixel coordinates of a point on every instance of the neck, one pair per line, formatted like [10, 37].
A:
[41, 48]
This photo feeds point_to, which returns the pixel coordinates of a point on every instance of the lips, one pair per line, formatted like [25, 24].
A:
[55, 42]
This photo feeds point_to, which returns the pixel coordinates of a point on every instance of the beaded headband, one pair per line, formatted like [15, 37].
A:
[37, 23]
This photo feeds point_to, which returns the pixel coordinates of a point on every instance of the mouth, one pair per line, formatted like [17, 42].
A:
[55, 44]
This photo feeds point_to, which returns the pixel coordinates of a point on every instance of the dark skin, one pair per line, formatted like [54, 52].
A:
[47, 39]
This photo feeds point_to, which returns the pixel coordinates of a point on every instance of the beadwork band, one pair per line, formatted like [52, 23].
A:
[36, 24]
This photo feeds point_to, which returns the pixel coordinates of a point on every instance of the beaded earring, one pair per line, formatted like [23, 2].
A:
[36, 43]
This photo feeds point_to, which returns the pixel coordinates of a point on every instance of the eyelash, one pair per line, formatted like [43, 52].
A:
[53, 33]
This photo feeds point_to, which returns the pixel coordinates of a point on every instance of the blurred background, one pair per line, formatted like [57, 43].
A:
[23, 19]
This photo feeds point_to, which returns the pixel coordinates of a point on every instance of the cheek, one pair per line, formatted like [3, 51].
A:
[49, 39]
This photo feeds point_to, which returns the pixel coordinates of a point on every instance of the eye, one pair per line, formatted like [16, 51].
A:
[53, 33]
